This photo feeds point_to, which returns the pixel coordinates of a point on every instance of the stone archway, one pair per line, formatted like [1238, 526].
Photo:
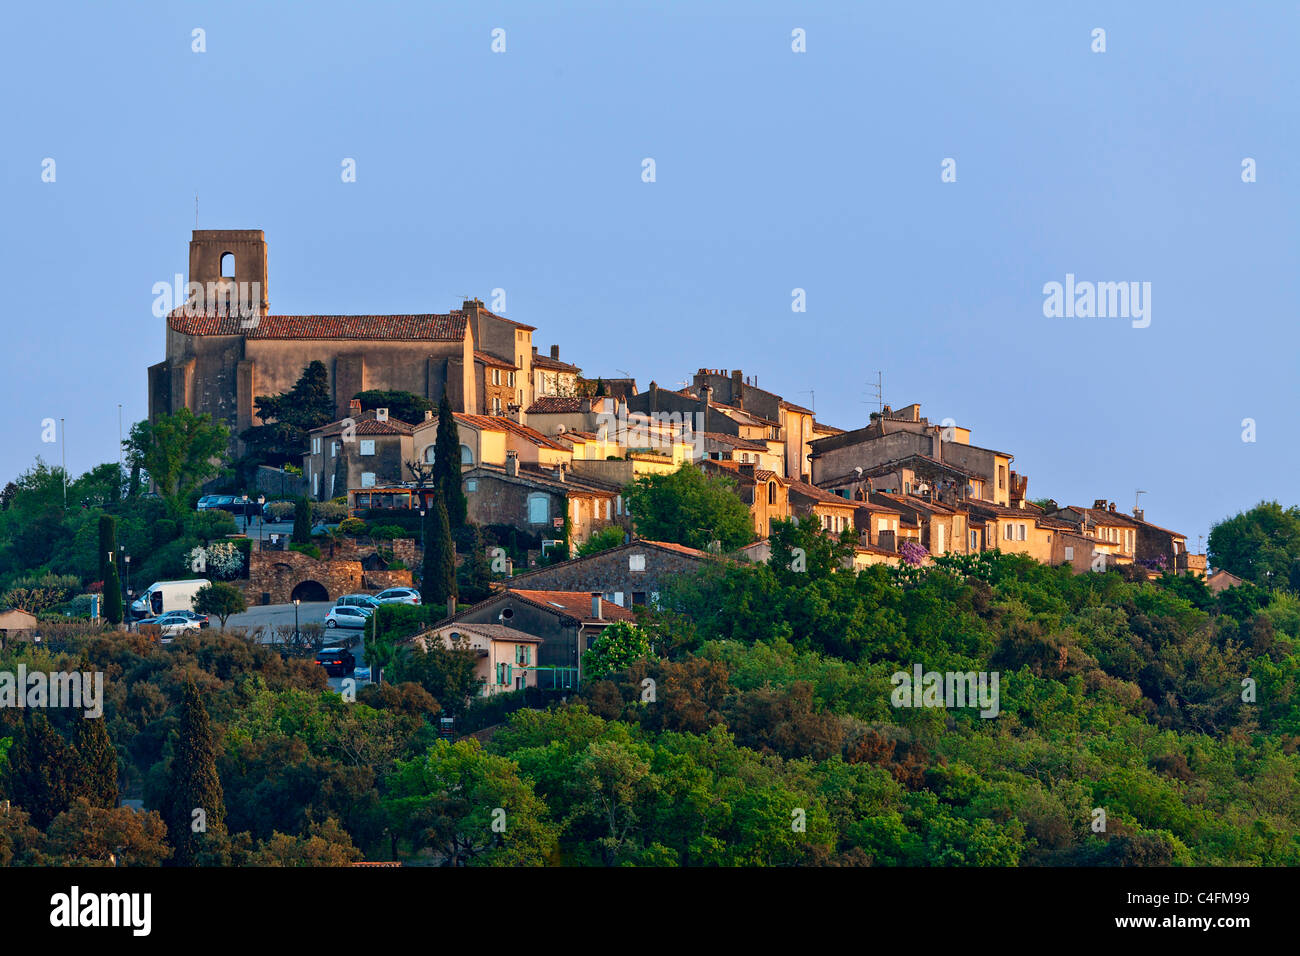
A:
[306, 591]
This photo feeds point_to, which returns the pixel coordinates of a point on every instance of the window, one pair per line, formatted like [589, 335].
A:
[466, 455]
[315, 446]
[974, 540]
[607, 507]
[636, 562]
[315, 486]
[638, 598]
[1020, 533]
[496, 405]
[505, 673]
[367, 446]
[523, 655]
[496, 376]
[367, 479]
[1006, 532]
[618, 505]
[334, 449]
[539, 508]
[1002, 477]
[471, 484]
[429, 454]
[510, 379]
[1069, 553]
[227, 265]
[771, 492]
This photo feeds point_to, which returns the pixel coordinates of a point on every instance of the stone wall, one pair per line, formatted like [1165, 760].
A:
[275, 576]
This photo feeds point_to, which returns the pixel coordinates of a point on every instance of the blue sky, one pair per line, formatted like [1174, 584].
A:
[775, 171]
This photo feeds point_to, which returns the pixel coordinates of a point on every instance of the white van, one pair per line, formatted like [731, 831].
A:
[164, 596]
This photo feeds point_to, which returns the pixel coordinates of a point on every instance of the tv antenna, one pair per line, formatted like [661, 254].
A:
[878, 387]
[1137, 499]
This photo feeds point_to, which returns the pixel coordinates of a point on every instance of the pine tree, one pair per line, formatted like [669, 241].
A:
[194, 783]
[477, 569]
[302, 521]
[438, 579]
[107, 544]
[446, 465]
[600, 388]
[97, 763]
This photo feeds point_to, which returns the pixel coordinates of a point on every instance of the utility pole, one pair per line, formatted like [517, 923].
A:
[63, 450]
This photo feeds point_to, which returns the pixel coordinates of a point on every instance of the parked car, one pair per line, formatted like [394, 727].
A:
[398, 596]
[207, 501]
[171, 624]
[347, 617]
[337, 661]
[202, 619]
[163, 597]
[358, 600]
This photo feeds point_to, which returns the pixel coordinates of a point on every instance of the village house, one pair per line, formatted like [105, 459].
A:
[765, 493]
[1114, 534]
[495, 380]
[1220, 580]
[364, 450]
[506, 656]
[893, 439]
[941, 528]
[629, 575]
[831, 512]
[537, 500]
[1160, 549]
[553, 377]
[567, 624]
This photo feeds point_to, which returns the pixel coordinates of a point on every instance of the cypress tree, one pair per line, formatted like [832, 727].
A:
[42, 771]
[97, 763]
[446, 465]
[194, 783]
[438, 577]
[111, 599]
[302, 521]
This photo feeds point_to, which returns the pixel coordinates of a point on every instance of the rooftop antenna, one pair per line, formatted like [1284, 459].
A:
[812, 401]
[196, 209]
[1137, 499]
[879, 389]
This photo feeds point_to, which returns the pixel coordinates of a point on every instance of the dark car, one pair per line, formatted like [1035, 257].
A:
[337, 661]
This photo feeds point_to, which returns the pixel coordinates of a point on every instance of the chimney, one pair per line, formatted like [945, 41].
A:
[354, 408]
[1112, 507]
[705, 391]
[512, 463]
[1139, 514]
[555, 352]
[747, 468]
[597, 608]
[534, 349]
[559, 471]
[381, 414]
[737, 389]
[1099, 504]
[428, 414]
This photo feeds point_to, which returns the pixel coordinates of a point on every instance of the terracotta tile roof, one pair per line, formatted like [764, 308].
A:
[792, 407]
[918, 503]
[630, 546]
[487, 358]
[545, 361]
[558, 405]
[1102, 517]
[820, 494]
[366, 426]
[572, 603]
[745, 444]
[536, 478]
[826, 429]
[422, 328]
[499, 632]
[530, 434]
[491, 423]
[502, 318]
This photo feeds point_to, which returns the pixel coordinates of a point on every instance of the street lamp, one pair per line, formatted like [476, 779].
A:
[295, 619]
[126, 560]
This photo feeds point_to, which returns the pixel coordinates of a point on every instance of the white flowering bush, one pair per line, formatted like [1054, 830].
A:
[222, 560]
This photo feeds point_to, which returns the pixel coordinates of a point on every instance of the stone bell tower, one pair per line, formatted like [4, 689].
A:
[230, 263]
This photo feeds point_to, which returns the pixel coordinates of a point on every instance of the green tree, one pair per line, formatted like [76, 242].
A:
[691, 508]
[619, 645]
[194, 783]
[42, 770]
[446, 465]
[98, 763]
[111, 597]
[475, 575]
[438, 578]
[302, 521]
[220, 600]
[447, 673]
[469, 807]
[90, 835]
[404, 406]
[179, 452]
[602, 540]
[289, 416]
[1261, 545]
